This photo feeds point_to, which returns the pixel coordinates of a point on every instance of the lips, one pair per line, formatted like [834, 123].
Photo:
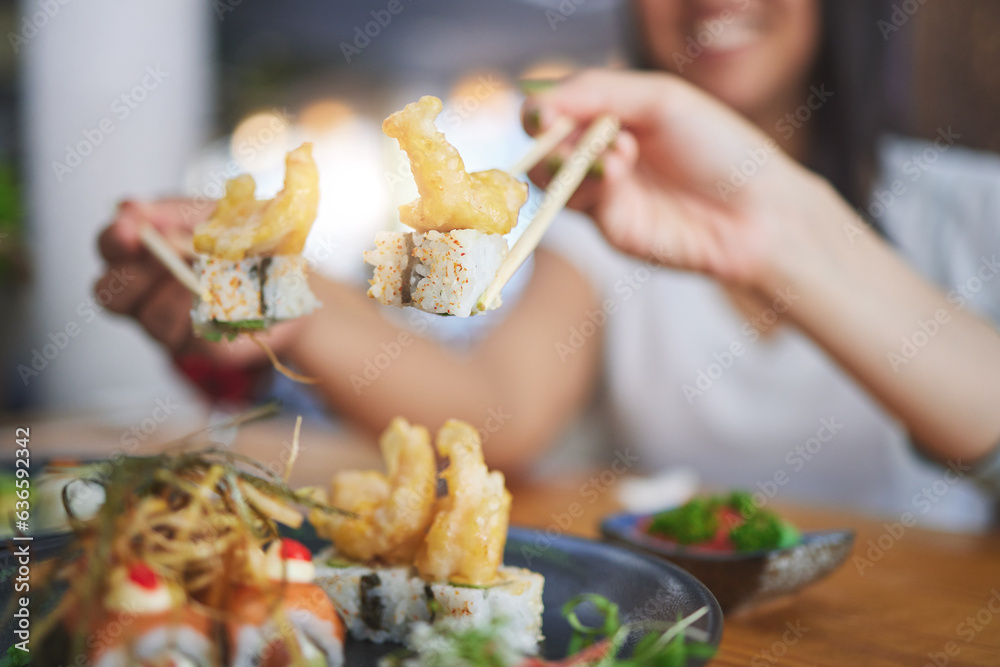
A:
[727, 28]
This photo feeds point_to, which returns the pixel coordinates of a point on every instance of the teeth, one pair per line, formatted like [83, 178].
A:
[735, 34]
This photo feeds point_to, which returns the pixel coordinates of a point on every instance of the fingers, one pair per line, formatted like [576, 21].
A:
[636, 98]
[165, 314]
[133, 275]
[174, 218]
[609, 170]
[126, 284]
[619, 162]
[543, 174]
[678, 124]
[120, 240]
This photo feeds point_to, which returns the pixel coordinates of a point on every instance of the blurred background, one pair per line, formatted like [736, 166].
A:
[106, 99]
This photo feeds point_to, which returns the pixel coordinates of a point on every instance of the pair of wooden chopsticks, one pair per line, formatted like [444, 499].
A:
[595, 140]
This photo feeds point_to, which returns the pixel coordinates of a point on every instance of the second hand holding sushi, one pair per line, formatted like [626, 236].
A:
[137, 284]
[338, 342]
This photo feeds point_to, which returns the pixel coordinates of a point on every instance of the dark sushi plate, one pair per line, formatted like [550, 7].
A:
[644, 588]
[740, 580]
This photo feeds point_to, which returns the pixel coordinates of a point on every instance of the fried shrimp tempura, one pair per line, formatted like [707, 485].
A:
[393, 509]
[465, 543]
[450, 197]
[242, 226]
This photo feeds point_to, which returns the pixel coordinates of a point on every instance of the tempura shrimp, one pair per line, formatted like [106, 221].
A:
[466, 541]
[241, 226]
[450, 197]
[393, 509]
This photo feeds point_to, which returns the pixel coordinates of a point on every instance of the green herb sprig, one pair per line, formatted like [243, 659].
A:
[659, 647]
[662, 645]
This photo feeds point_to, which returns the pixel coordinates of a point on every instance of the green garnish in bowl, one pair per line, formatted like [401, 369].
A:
[725, 522]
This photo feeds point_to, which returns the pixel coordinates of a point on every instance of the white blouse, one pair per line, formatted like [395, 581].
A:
[688, 381]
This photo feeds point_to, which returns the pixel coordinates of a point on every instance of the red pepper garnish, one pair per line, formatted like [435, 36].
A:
[728, 519]
[143, 576]
[294, 550]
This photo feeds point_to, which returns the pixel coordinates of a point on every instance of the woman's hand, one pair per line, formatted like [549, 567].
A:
[136, 284]
[695, 186]
[688, 183]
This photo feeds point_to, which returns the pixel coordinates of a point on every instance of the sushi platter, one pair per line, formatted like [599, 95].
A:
[199, 556]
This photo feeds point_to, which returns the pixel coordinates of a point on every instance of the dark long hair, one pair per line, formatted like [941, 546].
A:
[852, 62]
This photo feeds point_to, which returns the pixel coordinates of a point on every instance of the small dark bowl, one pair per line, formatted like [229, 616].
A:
[740, 580]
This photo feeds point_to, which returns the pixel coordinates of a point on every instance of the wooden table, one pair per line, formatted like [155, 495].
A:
[921, 598]
[906, 602]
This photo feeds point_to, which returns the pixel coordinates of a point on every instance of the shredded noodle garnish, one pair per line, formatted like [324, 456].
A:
[199, 520]
[295, 448]
[280, 367]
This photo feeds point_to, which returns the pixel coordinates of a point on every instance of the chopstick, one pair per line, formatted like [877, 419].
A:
[544, 145]
[594, 141]
[169, 257]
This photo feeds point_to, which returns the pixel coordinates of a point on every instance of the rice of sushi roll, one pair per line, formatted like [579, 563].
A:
[377, 604]
[251, 293]
[437, 272]
[383, 604]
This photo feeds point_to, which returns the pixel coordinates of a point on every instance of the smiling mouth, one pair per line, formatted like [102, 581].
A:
[722, 33]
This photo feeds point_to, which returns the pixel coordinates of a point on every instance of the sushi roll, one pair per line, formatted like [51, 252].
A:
[250, 294]
[437, 272]
[145, 622]
[456, 570]
[262, 619]
[250, 266]
[378, 604]
[64, 492]
[514, 595]
[390, 514]
[384, 604]
[459, 219]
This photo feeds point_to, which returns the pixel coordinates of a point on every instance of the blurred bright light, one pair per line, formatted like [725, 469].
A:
[548, 70]
[478, 90]
[324, 116]
[260, 140]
